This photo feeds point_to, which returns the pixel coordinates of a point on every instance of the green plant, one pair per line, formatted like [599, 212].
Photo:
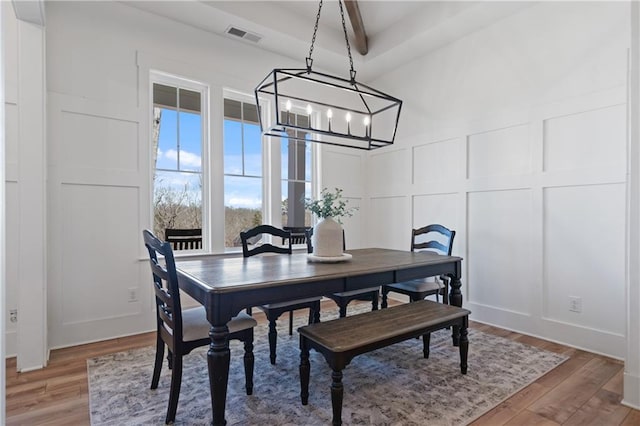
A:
[330, 204]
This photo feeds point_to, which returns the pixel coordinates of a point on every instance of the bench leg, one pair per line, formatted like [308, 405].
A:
[384, 303]
[464, 347]
[426, 339]
[337, 390]
[305, 368]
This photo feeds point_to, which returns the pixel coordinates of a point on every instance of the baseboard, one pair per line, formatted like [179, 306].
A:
[631, 393]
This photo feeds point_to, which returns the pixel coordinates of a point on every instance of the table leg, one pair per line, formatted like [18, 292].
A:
[455, 299]
[218, 358]
[455, 295]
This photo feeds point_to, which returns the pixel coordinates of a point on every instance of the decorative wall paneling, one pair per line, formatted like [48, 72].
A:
[345, 168]
[94, 185]
[538, 201]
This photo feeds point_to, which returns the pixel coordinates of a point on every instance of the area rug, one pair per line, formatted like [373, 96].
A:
[390, 386]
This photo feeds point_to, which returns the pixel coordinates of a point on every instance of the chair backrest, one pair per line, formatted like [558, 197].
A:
[265, 247]
[308, 233]
[184, 239]
[444, 247]
[165, 286]
[298, 234]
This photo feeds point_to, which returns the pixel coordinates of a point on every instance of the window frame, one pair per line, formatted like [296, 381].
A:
[173, 80]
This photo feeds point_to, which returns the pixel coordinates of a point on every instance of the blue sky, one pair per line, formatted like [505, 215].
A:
[240, 191]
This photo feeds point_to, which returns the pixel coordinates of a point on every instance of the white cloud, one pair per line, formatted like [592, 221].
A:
[186, 158]
[250, 203]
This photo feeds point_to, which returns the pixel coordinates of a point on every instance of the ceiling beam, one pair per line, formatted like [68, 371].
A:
[362, 44]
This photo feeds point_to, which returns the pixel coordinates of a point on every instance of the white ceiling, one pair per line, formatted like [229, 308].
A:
[398, 31]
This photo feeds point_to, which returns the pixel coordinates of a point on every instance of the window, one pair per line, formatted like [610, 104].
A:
[261, 182]
[178, 141]
[246, 169]
[242, 170]
[296, 175]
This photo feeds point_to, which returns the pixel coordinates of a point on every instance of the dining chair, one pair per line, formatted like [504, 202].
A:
[184, 239]
[183, 330]
[274, 310]
[438, 239]
[298, 234]
[342, 299]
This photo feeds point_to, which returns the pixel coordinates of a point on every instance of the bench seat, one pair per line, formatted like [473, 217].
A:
[340, 340]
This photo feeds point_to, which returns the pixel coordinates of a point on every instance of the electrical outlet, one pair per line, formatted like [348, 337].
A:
[13, 315]
[133, 294]
[575, 304]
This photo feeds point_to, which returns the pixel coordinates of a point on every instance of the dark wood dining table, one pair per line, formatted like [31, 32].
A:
[227, 285]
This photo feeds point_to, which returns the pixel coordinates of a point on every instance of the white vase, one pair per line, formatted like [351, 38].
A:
[327, 238]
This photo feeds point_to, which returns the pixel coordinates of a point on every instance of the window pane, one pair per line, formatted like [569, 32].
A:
[232, 147]
[284, 158]
[233, 109]
[243, 207]
[250, 112]
[190, 141]
[293, 212]
[165, 95]
[189, 101]
[307, 160]
[177, 201]
[168, 140]
[252, 150]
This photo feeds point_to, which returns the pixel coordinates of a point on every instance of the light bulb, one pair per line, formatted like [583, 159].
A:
[308, 109]
[288, 105]
[367, 120]
[329, 113]
[348, 117]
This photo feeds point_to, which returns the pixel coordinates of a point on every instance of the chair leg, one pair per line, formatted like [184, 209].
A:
[343, 308]
[157, 366]
[290, 323]
[445, 295]
[170, 359]
[374, 300]
[273, 337]
[316, 313]
[174, 392]
[426, 339]
[248, 364]
[384, 297]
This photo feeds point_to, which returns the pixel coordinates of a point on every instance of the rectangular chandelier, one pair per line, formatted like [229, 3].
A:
[339, 112]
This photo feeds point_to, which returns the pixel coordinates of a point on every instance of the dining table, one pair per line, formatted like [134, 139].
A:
[227, 285]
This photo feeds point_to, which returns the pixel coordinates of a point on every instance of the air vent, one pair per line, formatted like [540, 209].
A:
[245, 35]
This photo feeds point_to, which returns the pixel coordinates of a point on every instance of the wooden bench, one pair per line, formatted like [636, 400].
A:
[339, 341]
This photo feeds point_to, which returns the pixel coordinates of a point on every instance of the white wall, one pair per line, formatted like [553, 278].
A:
[98, 55]
[10, 200]
[516, 137]
[25, 188]
[3, 250]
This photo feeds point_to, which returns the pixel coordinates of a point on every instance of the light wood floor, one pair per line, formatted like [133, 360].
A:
[585, 390]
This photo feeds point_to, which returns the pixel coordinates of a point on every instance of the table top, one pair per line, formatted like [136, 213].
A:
[219, 275]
